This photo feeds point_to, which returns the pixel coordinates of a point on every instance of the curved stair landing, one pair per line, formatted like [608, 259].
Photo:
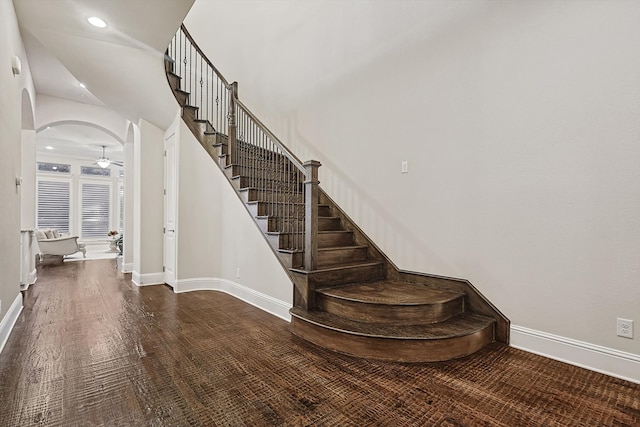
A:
[457, 337]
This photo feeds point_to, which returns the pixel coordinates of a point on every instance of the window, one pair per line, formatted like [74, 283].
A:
[53, 205]
[89, 170]
[53, 167]
[95, 209]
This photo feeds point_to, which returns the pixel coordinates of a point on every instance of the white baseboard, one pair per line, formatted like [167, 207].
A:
[605, 360]
[147, 279]
[264, 302]
[127, 267]
[9, 320]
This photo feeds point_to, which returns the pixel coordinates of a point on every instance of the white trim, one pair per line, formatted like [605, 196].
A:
[31, 279]
[147, 279]
[262, 301]
[33, 276]
[9, 320]
[127, 267]
[605, 360]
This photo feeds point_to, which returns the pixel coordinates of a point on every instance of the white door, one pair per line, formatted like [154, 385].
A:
[170, 209]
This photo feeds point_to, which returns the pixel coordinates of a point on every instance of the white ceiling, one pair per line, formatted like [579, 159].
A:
[77, 141]
[121, 65]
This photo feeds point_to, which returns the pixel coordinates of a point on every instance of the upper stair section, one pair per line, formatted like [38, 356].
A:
[348, 296]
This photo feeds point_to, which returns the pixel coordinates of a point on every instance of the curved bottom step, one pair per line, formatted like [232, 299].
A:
[457, 337]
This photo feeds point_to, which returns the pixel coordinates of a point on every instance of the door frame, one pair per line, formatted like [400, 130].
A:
[170, 231]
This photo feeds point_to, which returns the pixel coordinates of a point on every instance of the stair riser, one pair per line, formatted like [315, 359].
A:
[390, 314]
[174, 81]
[204, 126]
[285, 241]
[365, 273]
[328, 224]
[189, 115]
[181, 97]
[215, 139]
[331, 240]
[275, 225]
[221, 148]
[276, 209]
[253, 195]
[324, 210]
[340, 256]
[293, 260]
[391, 349]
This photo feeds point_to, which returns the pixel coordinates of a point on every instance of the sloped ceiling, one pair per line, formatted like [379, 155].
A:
[121, 65]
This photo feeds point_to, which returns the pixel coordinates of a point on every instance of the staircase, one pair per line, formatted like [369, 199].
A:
[348, 296]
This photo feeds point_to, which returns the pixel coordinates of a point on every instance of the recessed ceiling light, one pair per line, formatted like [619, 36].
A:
[48, 147]
[82, 85]
[97, 22]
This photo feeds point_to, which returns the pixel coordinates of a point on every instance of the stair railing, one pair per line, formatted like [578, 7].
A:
[287, 188]
[208, 89]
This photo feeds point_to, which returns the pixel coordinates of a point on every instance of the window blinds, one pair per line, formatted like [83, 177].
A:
[53, 205]
[95, 209]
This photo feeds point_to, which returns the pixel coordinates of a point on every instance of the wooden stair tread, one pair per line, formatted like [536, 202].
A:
[339, 267]
[391, 293]
[461, 325]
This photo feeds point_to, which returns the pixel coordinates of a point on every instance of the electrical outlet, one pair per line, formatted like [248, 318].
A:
[238, 272]
[404, 167]
[625, 328]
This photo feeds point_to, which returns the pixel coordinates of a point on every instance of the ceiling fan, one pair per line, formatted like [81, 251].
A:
[104, 161]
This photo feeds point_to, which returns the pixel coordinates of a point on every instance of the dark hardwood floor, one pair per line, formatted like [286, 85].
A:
[92, 349]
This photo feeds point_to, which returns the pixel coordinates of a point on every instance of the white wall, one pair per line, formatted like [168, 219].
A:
[11, 88]
[148, 206]
[216, 234]
[519, 121]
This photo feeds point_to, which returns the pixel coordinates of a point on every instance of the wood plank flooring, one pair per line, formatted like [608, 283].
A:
[91, 349]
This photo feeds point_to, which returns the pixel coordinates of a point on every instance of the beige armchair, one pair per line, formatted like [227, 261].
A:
[51, 242]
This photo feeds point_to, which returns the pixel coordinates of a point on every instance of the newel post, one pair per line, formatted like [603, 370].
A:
[233, 125]
[311, 215]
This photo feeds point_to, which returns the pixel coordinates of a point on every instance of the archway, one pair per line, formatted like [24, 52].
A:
[71, 169]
